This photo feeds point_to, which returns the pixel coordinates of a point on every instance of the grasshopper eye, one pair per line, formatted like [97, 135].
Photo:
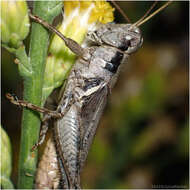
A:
[134, 45]
[134, 37]
[125, 37]
[128, 37]
[137, 30]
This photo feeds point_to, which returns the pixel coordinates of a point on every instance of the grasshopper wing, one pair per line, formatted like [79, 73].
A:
[68, 136]
[91, 113]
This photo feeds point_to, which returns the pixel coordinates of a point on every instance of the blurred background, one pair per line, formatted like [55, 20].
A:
[143, 137]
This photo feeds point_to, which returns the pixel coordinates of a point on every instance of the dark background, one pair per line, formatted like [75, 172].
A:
[143, 138]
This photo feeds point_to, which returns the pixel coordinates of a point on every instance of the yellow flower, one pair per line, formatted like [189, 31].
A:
[103, 13]
[80, 16]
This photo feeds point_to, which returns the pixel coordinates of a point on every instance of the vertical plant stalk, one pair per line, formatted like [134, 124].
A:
[33, 91]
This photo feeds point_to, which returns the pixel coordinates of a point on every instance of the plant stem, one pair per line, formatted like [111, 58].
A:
[6, 183]
[33, 91]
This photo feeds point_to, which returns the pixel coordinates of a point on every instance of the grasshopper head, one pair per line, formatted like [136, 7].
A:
[125, 37]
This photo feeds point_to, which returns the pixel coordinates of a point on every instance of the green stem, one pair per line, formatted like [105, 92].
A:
[24, 66]
[47, 10]
[6, 183]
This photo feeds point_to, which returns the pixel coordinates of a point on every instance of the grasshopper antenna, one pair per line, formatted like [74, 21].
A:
[141, 21]
[147, 12]
[121, 11]
[73, 46]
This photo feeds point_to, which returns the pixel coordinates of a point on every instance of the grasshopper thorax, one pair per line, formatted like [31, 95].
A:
[124, 37]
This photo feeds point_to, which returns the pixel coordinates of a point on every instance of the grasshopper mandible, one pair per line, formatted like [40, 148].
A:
[89, 84]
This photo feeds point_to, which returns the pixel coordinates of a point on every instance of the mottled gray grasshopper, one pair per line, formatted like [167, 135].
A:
[85, 96]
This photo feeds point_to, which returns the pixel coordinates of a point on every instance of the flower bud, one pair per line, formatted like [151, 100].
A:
[5, 164]
[14, 22]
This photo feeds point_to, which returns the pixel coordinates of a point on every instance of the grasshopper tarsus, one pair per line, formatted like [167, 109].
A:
[12, 98]
[34, 147]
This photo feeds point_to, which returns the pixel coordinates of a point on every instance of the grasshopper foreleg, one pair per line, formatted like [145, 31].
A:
[48, 114]
[71, 44]
[43, 131]
[25, 104]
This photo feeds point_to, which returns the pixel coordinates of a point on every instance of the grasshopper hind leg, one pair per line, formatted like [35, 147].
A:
[48, 114]
[64, 181]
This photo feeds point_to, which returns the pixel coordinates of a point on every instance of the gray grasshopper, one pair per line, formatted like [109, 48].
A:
[86, 92]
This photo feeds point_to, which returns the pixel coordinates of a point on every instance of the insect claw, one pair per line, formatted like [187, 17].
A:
[13, 99]
[34, 147]
[9, 96]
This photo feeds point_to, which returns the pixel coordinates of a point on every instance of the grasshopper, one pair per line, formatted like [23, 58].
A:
[86, 92]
